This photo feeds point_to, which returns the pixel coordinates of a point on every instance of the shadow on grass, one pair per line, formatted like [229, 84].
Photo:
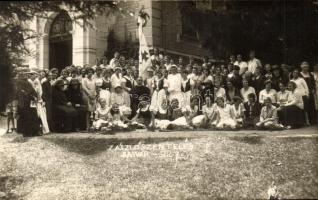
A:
[91, 146]
[20, 139]
[7, 184]
[254, 139]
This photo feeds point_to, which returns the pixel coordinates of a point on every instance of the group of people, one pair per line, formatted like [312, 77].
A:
[173, 96]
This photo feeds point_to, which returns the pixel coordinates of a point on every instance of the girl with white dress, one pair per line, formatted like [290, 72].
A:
[101, 115]
[239, 111]
[225, 115]
[208, 111]
[89, 93]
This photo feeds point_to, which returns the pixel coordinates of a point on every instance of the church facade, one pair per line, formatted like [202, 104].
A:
[62, 42]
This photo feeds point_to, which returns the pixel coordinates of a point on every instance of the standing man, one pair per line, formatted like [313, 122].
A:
[253, 63]
[243, 65]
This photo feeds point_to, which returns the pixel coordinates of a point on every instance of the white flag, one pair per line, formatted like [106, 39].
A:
[144, 55]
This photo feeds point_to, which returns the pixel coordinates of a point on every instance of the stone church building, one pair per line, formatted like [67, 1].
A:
[62, 42]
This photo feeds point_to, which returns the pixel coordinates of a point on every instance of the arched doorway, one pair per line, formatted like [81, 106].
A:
[60, 41]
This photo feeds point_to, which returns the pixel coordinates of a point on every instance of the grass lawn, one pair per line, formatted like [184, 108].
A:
[157, 166]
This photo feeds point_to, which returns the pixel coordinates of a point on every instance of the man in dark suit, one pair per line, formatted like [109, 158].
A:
[236, 79]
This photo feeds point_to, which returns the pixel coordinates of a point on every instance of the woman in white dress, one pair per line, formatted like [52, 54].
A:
[190, 116]
[225, 115]
[89, 93]
[159, 108]
[268, 92]
[121, 99]
[239, 111]
[208, 111]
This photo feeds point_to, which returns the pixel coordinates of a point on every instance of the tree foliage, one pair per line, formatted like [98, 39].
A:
[14, 32]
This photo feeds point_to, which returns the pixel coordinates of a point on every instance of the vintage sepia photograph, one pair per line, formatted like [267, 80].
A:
[159, 100]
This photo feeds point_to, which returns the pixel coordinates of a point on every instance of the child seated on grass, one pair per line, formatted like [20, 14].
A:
[143, 116]
[190, 118]
[101, 116]
[268, 117]
[225, 115]
[118, 121]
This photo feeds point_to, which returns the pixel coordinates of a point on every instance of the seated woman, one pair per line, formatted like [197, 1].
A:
[63, 110]
[225, 115]
[101, 116]
[283, 95]
[159, 108]
[219, 91]
[239, 110]
[175, 109]
[190, 117]
[142, 118]
[291, 113]
[268, 92]
[159, 102]
[208, 111]
[122, 99]
[246, 89]
[268, 117]
[75, 96]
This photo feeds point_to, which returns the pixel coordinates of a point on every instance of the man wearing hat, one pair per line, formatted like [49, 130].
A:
[28, 122]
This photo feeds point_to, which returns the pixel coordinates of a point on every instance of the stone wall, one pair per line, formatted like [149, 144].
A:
[167, 30]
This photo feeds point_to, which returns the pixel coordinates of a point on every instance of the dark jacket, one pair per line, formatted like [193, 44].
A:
[59, 97]
[252, 111]
[75, 96]
[47, 91]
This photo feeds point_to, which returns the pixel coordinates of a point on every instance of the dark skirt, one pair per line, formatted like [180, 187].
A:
[64, 118]
[292, 116]
[309, 107]
[28, 122]
[80, 122]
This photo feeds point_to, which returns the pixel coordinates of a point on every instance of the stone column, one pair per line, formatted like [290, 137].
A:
[84, 44]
